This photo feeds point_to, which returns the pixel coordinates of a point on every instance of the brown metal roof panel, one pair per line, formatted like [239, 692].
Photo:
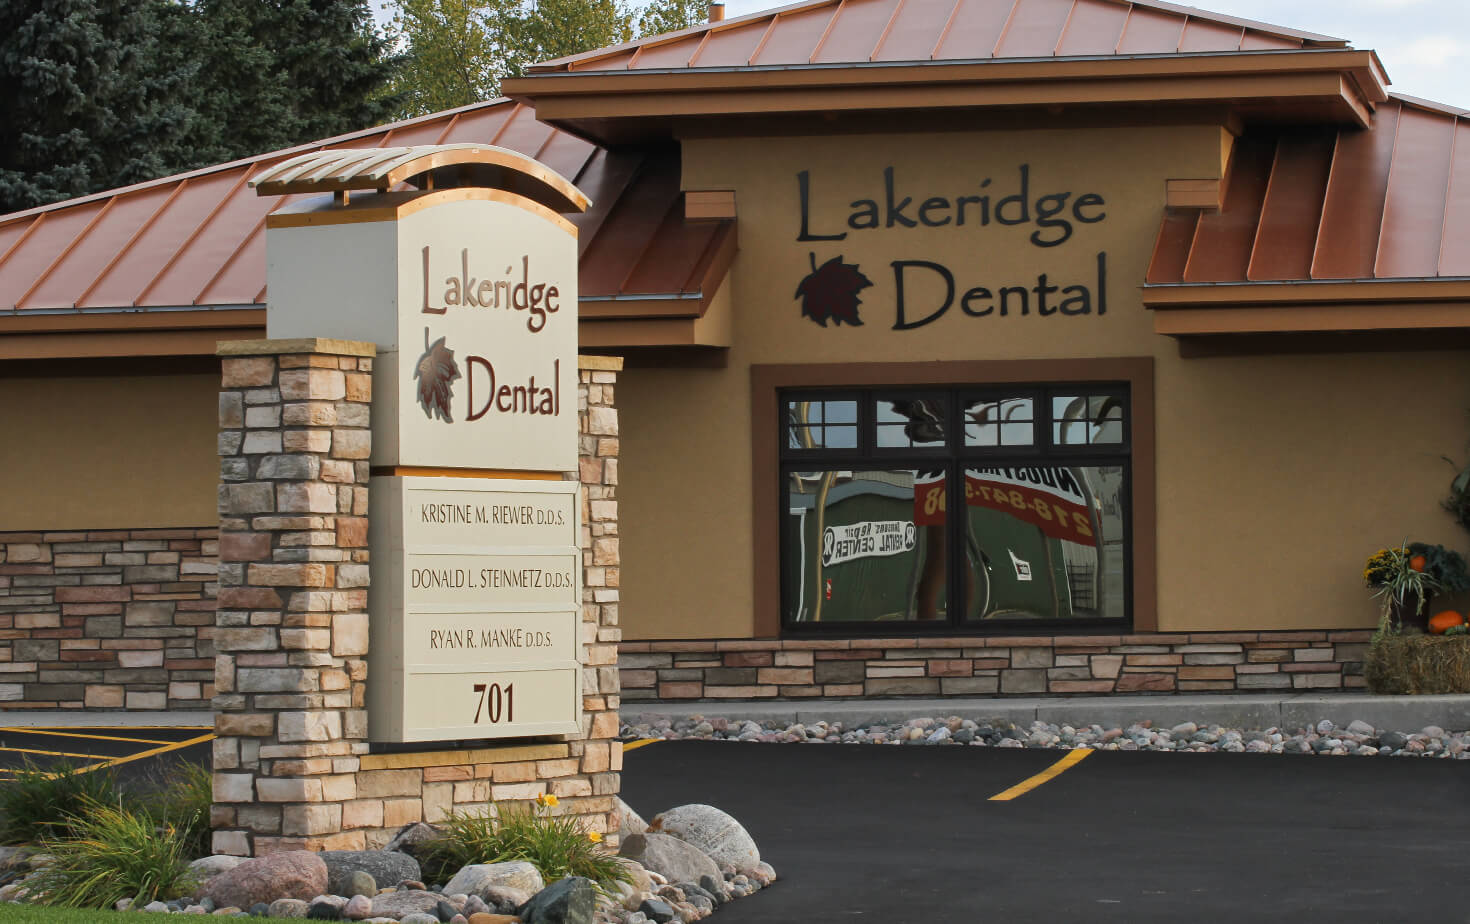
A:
[239, 281]
[10, 234]
[523, 133]
[1292, 210]
[1093, 28]
[855, 31]
[668, 263]
[1255, 40]
[1222, 241]
[126, 281]
[479, 125]
[197, 261]
[915, 31]
[1171, 247]
[1151, 32]
[567, 154]
[30, 264]
[731, 47]
[667, 54]
[1034, 29]
[407, 137]
[1352, 211]
[1454, 254]
[974, 29]
[613, 62]
[1414, 205]
[1201, 35]
[630, 225]
[65, 285]
[794, 36]
[603, 180]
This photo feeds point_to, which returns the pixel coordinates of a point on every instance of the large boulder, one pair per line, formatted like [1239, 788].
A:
[715, 833]
[629, 821]
[476, 878]
[568, 901]
[385, 866]
[412, 839]
[290, 874]
[670, 857]
[208, 867]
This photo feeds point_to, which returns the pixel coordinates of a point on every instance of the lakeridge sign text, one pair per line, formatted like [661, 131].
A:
[1052, 218]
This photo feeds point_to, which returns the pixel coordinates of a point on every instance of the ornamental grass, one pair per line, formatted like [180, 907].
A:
[1418, 664]
[37, 804]
[111, 854]
[555, 844]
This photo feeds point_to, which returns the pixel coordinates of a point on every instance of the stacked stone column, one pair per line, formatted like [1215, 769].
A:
[292, 624]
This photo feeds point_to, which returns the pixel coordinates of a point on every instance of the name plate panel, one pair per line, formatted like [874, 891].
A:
[476, 583]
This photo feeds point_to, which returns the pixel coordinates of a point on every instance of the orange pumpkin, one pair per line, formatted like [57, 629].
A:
[1445, 620]
[1418, 562]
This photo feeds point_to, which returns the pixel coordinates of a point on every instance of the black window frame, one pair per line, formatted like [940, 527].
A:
[954, 458]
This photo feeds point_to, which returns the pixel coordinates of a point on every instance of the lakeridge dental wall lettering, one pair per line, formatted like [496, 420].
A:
[1049, 219]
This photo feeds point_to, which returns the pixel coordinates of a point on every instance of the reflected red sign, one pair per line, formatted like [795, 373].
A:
[1048, 498]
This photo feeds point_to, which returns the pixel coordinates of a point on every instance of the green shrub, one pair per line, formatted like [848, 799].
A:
[37, 804]
[555, 844]
[112, 854]
[181, 801]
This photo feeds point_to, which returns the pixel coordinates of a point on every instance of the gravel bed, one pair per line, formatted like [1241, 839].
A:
[1357, 737]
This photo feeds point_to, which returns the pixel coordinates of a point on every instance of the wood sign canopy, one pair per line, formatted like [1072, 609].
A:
[424, 167]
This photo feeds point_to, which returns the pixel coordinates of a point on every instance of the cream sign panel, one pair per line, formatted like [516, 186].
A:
[476, 608]
[485, 372]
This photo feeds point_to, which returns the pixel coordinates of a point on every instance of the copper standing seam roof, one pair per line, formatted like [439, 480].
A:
[1323, 215]
[179, 251]
[824, 32]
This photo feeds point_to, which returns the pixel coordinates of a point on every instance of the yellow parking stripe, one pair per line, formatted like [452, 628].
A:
[50, 753]
[62, 734]
[641, 742]
[153, 752]
[1070, 759]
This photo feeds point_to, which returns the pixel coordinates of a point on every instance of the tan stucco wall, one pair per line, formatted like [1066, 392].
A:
[123, 452]
[1277, 475]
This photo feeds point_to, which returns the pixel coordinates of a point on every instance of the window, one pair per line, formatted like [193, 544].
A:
[868, 533]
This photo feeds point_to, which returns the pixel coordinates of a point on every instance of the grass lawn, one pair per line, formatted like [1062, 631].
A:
[39, 914]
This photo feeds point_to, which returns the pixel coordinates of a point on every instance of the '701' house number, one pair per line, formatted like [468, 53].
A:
[495, 702]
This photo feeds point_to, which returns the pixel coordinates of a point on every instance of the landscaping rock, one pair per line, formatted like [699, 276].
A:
[477, 877]
[290, 874]
[482, 917]
[398, 904]
[418, 917]
[209, 867]
[567, 901]
[715, 833]
[505, 899]
[357, 908]
[670, 857]
[629, 821]
[410, 840]
[287, 908]
[657, 911]
[359, 883]
[382, 865]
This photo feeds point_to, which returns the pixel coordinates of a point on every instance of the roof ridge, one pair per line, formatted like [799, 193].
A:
[253, 159]
[1421, 103]
[565, 62]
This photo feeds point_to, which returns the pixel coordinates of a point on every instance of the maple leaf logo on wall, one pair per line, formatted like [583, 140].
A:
[832, 292]
[436, 372]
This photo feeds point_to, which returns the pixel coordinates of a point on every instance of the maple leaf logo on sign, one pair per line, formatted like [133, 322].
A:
[831, 291]
[436, 372]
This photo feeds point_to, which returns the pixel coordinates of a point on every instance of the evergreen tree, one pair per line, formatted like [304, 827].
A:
[91, 97]
[283, 72]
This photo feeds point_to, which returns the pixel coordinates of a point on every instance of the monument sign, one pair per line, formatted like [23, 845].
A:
[470, 293]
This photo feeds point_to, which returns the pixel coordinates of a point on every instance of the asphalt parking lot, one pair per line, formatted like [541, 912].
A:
[908, 835]
[130, 751]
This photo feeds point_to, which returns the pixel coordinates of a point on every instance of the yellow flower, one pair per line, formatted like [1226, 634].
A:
[546, 801]
[594, 836]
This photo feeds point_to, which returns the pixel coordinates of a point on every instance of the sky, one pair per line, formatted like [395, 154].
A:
[1424, 44]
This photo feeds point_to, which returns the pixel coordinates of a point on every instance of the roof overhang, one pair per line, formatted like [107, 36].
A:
[1337, 86]
[1335, 306]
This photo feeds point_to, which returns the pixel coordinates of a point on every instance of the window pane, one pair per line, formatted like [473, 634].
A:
[1000, 422]
[910, 422]
[821, 424]
[1081, 420]
[864, 546]
[1044, 542]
